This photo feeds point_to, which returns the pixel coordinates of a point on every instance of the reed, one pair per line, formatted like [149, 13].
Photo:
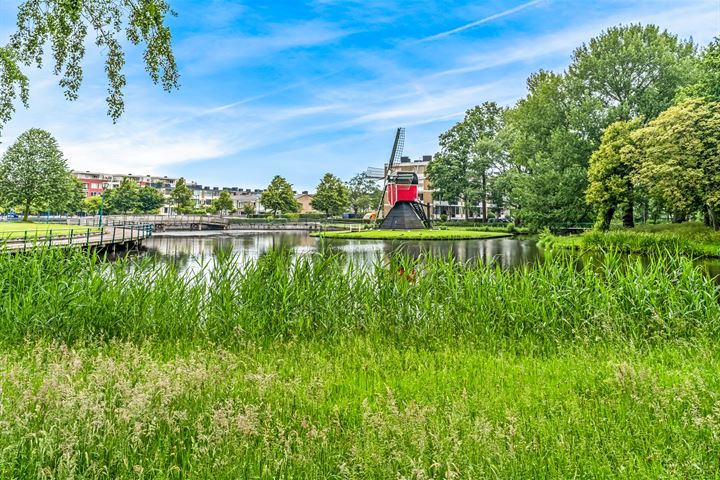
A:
[73, 296]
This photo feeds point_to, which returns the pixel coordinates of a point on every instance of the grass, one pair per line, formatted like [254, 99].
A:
[687, 239]
[435, 234]
[14, 230]
[313, 368]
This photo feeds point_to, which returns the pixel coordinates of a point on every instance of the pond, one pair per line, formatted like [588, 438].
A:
[188, 247]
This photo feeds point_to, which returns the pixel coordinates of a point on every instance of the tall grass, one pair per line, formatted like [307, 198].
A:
[313, 367]
[72, 296]
[680, 239]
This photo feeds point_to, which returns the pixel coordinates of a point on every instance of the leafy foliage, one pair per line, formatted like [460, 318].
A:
[469, 153]
[679, 158]
[125, 198]
[549, 153]
[34, 174]
[64, 27]
[279, 197]
[331, 196]
[708, 82]
[633, 70]
[182, 197]
[150, 199]
[610, 171]
[364, 193]
[223, 204]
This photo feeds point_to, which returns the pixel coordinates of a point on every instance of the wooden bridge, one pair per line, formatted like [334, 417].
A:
[111, 237]
[158, 222]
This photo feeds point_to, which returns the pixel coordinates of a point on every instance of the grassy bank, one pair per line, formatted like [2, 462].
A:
[686, 239]
[435, 234]
[14, 230]
[313, 368]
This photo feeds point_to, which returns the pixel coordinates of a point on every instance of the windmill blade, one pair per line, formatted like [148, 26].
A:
[395, 155]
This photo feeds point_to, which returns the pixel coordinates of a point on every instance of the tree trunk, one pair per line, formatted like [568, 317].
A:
[629, 217]
[606, 219]
[484, 199]
[706, 217]
[27, 211]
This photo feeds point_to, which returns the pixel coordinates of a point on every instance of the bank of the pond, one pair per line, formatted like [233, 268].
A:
[691, 239]
[435, 234]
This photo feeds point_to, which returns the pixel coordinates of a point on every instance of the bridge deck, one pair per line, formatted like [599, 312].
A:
[109, 236]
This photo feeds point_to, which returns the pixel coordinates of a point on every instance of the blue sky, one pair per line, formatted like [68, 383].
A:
[300, 88]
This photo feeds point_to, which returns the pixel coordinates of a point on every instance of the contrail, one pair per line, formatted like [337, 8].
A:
[480, 22]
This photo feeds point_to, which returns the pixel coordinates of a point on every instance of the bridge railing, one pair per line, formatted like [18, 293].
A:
[67, 238]
[148, 219]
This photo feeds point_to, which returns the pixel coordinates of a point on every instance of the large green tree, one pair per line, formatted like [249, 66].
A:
[278, 197]
[364, 193]
[182, 197]
[331, 196]
[34, 174]
[679, 158]
[546, 134]
[610, 173]
[150, 199]
[125, 198]
[633, 70]
[469, 153]
[57, 30]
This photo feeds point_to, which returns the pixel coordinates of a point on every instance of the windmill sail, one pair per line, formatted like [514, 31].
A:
[394, 158]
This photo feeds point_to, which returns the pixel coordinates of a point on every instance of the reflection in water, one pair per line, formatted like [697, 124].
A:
[180, 247]
[188, 249]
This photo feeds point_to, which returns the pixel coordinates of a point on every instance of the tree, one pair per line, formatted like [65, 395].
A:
[76, 195]
[34, 173]
[708, 82]
[92, 205]
[364, 193]
[331, 196]
[548, 136]
[633, 70]
[679, 158]
[150, 199]
[223, 203]
[125, 198]
[248, 208]
[469, 152]
[64, 27]
[182, 197]
[279, 197]
[610, 173]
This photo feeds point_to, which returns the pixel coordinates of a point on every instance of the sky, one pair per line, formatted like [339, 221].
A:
[301, 88]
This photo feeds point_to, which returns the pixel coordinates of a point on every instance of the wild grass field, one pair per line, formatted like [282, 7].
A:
[313, 368]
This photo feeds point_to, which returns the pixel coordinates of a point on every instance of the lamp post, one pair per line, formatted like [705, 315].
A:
[102, 202]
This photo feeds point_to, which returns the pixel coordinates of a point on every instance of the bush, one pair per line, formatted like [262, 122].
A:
[443, 217]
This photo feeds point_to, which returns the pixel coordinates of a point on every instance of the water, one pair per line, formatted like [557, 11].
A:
[188, 248]
[249, 245]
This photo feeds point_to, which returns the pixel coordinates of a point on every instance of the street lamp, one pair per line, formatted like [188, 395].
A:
[102, 201]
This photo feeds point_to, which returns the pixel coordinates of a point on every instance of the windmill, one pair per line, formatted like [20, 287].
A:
[401, 189]
[395, 155]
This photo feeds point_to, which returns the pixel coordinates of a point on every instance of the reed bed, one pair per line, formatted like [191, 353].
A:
[73, 296]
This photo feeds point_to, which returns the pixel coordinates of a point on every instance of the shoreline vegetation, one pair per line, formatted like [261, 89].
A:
[693, 239]
[310, 367]
[468, 233]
